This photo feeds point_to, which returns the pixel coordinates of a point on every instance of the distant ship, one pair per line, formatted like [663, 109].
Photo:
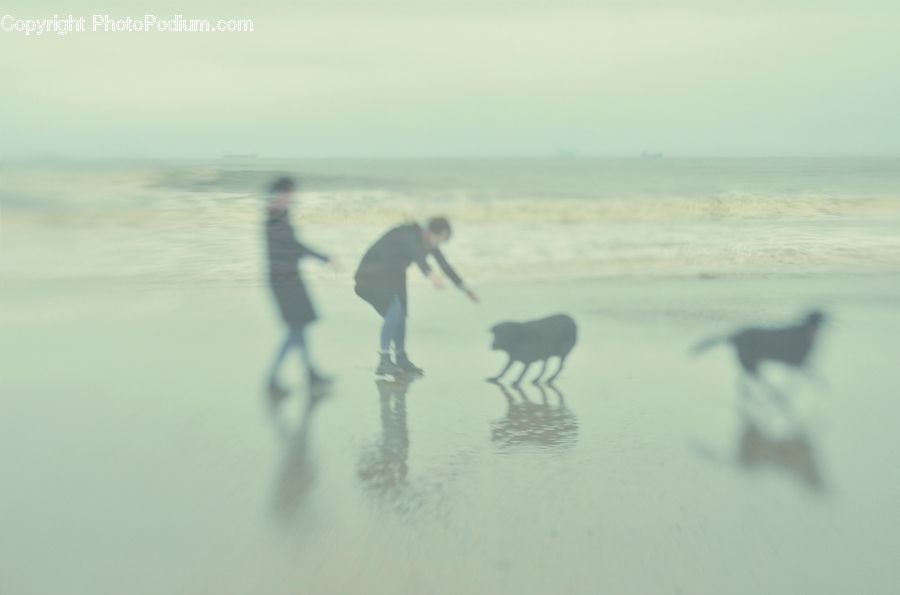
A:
[646, 155]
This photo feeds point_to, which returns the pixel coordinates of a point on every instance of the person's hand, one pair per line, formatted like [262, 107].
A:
[437, 280]
[471, 294]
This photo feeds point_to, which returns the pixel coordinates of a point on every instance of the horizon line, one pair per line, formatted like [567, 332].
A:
[562, 156]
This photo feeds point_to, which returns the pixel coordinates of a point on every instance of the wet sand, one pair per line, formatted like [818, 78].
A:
[140, 454]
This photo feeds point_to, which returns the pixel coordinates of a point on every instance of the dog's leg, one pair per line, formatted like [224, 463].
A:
[815, 378]
[502, 372]
[543, 392]
[744, 387]
[562, 362]
[537, 378]
[777, 396]
[524, 397]
[793, 381]
[747, 402]
[559, 395]
[522, 375]
[510, 401]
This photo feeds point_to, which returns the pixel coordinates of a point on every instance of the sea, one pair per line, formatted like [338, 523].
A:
[184, 221]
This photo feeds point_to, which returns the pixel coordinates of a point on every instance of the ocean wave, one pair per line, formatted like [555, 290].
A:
[195, 224]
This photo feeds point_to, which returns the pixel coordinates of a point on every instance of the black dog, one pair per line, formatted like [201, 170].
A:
[537, 340]
[790, 345]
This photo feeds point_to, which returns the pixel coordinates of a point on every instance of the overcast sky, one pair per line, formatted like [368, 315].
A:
[425, 78]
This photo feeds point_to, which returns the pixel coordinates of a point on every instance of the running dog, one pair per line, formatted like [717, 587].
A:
[790, 346]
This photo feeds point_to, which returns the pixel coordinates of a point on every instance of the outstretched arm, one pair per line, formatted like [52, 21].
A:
[448, 270]
[303, 250]
[429, 272]
[453, 275]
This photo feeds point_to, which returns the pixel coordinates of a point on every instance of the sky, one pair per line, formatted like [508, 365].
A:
[423, 78]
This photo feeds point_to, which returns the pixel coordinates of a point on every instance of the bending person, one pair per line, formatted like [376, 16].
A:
[381, 281]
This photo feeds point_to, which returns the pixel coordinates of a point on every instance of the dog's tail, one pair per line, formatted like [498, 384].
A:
[707, 344]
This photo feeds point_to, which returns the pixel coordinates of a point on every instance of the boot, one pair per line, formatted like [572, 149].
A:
[386, 366]
[407, 366]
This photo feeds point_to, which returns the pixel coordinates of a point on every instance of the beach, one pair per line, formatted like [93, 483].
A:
[141, 453]
[153, 462]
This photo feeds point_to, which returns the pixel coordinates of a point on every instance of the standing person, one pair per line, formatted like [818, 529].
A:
[296, 307]
[381, 281]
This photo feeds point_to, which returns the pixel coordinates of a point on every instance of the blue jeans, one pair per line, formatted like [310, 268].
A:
[295, 340]
[394, 327]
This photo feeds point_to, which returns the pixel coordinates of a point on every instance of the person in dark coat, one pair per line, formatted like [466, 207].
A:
[381, 281]
[293, 300]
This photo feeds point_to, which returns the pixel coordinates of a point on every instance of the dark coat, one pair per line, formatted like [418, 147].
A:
[284, 251]
[382, 271]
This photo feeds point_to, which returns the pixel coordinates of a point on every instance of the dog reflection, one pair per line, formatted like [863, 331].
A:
[383, 469]
[794, 454]
[297, 474]
[535, 423]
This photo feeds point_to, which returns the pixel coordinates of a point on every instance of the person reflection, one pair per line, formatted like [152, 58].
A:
[535, 423]
[383, 469]
[297, 474]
